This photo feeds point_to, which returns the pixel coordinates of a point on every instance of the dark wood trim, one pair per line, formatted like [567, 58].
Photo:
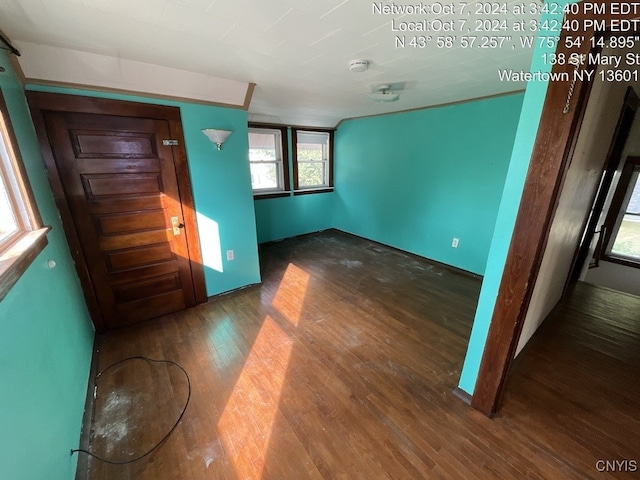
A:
[287, 125]
[41, 102]
[614, 156]
[37, 116]
[188, 209]
[294, 159]
[620, 261]
[308, 191]
[332, 134]
[60, 102]
[285, 160]
[82, 468]
[264, 196]
[555, 142]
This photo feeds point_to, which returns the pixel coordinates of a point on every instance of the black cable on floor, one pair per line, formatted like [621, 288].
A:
[164, 439]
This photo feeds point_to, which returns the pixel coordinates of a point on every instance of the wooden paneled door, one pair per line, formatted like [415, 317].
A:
[116, 177]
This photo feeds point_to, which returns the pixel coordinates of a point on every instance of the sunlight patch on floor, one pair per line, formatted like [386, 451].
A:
[247, 421]
[289, 298]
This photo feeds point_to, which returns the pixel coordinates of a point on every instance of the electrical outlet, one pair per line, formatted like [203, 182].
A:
[455, 242]
[230, 255]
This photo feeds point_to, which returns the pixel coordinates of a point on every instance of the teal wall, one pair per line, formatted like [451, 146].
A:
[284, 217]
[417, 179]
[221, 185]
[505, 222]
[46, 336]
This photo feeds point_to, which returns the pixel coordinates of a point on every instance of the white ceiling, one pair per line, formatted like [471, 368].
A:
[296, 51]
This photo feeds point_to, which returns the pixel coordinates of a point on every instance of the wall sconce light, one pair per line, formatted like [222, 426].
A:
[217, 136]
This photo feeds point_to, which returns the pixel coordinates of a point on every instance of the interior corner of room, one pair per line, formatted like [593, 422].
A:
[142, 161]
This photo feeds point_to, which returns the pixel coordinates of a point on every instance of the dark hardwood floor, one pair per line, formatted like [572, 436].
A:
[343, 365]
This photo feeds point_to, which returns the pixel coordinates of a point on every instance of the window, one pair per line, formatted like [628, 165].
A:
[312, 160]
[623, 220]
[267, 160]
[21, 237]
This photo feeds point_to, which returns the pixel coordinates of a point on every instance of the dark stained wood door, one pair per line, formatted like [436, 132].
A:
[121, 187]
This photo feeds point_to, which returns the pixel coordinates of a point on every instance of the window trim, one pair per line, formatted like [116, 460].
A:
[18, 251]
[286, 181]
[615, 212]
[297, 190]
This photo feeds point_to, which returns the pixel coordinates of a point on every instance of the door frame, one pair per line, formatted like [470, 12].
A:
[552, 153]
[628, 111]
[42, 102]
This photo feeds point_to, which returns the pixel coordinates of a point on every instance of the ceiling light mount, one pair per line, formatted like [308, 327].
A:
[384, 94]
[358, 65]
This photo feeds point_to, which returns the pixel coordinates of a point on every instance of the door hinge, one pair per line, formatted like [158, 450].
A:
[169, 143]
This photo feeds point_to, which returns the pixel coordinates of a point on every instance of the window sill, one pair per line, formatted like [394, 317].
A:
[260, 196]
[313, 190]
[620, 261]
[15, 260]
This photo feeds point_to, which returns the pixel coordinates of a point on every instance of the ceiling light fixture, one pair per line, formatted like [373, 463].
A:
[217, 136]
[384, 95]
[358, 65]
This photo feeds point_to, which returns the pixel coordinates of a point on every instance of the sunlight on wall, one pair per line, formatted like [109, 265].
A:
[288, 299]
[249, 417]
[210, 243]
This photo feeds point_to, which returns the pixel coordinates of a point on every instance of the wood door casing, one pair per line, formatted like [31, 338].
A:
[118, 187]
[554, 146]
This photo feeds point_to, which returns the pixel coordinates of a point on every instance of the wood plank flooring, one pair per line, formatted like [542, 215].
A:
[342, 365]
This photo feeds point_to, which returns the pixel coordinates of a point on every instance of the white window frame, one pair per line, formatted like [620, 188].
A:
[619, 209]
[281, 161]
[327, 160]
[20, 248]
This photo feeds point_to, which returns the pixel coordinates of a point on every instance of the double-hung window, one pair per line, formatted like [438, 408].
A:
[268, 160]
[623, 220]
[21, 235]
[312, 160]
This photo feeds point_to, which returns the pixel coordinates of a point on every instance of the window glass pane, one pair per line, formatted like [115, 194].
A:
[8, 219]
[309, 152]
[265, 160]
[262, 147]
[8, 223]
[312, 156]
[264, 176]
[634, 201]
[627, 241]
[311, 174]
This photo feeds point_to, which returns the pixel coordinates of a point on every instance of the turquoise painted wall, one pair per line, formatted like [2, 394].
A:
[505, 222]
[415, 180]
[221, 185]
[284, 217]
[46, 336]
